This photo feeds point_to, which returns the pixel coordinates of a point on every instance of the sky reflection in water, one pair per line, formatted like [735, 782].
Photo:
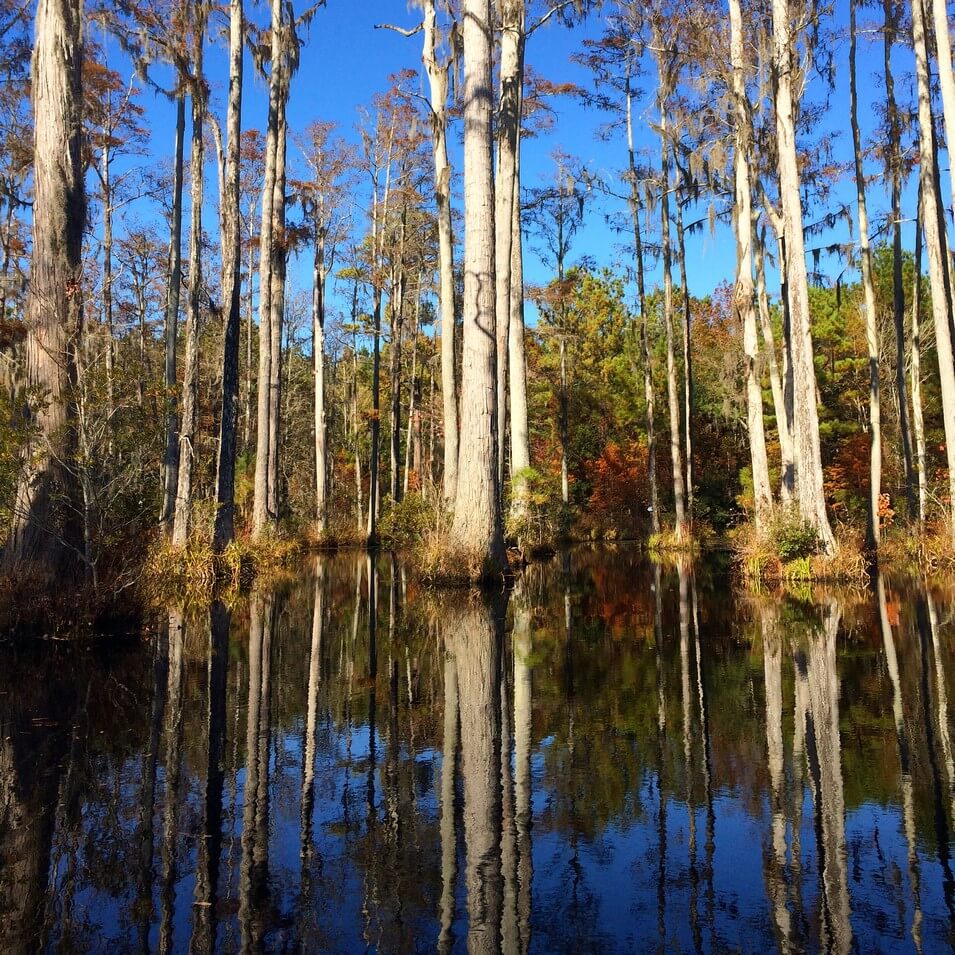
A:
[637, 758]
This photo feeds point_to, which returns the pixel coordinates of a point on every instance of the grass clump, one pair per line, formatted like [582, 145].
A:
[674, 540]
[786, 549]
[929, 550]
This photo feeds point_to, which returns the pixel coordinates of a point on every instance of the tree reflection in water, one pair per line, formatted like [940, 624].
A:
[612, 756]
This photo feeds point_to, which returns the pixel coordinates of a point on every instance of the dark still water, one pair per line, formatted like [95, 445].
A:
[611, 758]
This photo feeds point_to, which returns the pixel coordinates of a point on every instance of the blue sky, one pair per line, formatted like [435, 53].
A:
[346, 61]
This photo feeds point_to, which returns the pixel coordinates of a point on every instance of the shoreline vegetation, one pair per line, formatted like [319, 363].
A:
[228, 341]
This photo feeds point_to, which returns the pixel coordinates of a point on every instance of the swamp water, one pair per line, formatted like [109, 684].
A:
[612, 757]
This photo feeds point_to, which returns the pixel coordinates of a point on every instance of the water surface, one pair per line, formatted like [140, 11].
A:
[612, 757]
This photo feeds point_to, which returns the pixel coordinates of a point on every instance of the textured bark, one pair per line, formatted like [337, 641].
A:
[946, 78]
[915, 371]
[506, 194]
[811, 498]
[873, 532]
[517, 363]
[891, 10]
[397, 316]
[107, 197]
[743, 294]
[648, 392]
[182, 515]
[231, 287]
[318, 363]
[673, 394]
[277, 273]
[787, 464]
[477, 508]
[260, 506]
[934, 239]
[438, 77]
[46, 528]
[687, 330]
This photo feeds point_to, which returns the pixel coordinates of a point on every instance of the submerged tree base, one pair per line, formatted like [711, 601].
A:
[440, 562]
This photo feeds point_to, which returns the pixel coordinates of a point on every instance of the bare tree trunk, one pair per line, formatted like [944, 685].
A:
[438, 76]
[477, 507]
[946, 78]
[787, 465]
[894, 170]
[648, 392]
[918, 421]
[935, 244]
[106, 181]
[873, 532]
[247, 422]
[506, 194]
[374, 489]
[46, 530]
[412, 391]
[397, 312]
[318, 362]
[743, 294]
[673, 396]
[564, 422]
[687, 361]
[171, 459]
[812, 503]
[260, 510]
[190, 385]
[224, 530]
[277, 304]
[517, 360]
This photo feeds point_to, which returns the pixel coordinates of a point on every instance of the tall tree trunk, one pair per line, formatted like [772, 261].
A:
[743, 294]
[918, 421]
[812, 503]
[894, 170]
[506, 194]
[374, 456]
[517, 360]
[170, 381]
[873, 533]
[438, 76]
[107, 184]
[250, 324]
[477, 507]
[673, 395]
[397, 312]
[687, 361]
[648, 392]
[787, 465]
[277, 304]
[935, 244]
[232, 290]
[413, 394]
[946, 78]
[318, 362]
[260, 507]
[46, 530]
[190, 385]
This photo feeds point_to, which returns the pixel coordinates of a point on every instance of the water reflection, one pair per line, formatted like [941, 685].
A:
[612, 756]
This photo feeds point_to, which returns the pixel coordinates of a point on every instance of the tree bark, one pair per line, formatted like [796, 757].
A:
[894, 171]
[506, 194]
[46, 530]
[812, 504]
[687, 361]
[935, 245]
[673, 395]
[190, 386]
[873, 532]
[318, 362]
[224, 530]
[438, 76]
[477, 509]
[171, 459]
[918, 421]
[260, 508]
[277, 304]
[648, 391]
[743, 294]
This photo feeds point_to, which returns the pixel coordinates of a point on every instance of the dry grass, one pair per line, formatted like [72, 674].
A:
[782, 550]
[442, 563]
[194, 573]
[930, 550]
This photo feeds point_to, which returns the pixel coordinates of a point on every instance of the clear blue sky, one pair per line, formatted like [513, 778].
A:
[346, 61]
